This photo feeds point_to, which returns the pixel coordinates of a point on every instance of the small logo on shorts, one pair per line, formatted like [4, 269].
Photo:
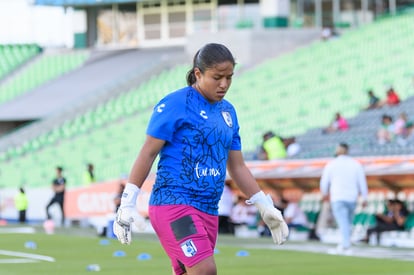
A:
[189, 248]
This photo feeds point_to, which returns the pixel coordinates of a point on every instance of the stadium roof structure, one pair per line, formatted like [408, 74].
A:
[81, 2]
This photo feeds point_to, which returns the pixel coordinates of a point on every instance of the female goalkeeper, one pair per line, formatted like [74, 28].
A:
[196, 134]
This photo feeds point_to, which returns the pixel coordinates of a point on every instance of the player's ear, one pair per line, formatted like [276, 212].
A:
[197, 73]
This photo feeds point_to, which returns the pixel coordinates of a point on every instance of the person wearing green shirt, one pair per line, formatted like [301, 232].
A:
[89, 175]
[21, 203]
[273, 146]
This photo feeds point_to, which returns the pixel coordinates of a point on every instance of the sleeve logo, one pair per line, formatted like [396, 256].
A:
[160, 108]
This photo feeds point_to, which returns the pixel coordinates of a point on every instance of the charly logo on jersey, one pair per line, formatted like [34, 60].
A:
[160, 108]
[189, 248]
[227, 118]
[203, 114]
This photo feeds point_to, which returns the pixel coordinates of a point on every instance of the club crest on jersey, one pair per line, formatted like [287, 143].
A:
[189, 248]
[227, 118]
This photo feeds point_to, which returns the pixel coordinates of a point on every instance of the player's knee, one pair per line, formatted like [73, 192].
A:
[207, 267]
[211, 270]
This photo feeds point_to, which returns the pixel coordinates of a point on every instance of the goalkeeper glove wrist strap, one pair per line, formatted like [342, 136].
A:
[130, 194]
[258, 197]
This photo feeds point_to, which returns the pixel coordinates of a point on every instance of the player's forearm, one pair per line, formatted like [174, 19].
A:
[400, 220]
[241, 174]
[245, 181]
[140, 170]
[143, 163]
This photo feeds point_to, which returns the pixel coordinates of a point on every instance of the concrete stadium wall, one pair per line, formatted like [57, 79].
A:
[254, 46]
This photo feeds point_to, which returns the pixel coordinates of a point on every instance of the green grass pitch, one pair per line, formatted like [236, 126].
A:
[73, 251]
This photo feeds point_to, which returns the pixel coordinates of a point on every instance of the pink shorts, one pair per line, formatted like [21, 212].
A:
[187, 234]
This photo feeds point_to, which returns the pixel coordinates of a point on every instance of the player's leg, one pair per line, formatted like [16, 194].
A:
[52, 201]
[350, 206]
[62, 209]
[22, 216]
[205, 267]
[340, 214]
[188, 236]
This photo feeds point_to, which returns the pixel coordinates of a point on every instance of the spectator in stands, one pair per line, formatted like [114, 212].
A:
[339, 123]
[273, 146]
[373, 102]
[21, 203]
[292, 147]
[385, 133]
[58, 186]
[392, 98]
[400, 125]
[393, 219]
[326, 33]
[410, 132]
[343, 180]
[225, 208]
[89, 175]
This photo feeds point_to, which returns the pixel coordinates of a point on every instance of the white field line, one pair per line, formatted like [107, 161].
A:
[22, 230]
[27, 255]
[17, 261]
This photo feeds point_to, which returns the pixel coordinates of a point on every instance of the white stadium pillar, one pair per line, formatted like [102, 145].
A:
[275, 13]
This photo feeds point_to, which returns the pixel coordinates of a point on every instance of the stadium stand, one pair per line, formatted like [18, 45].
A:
[102, 123]
[13, 56]
[40, 70]
[300, 105]
[298, 92]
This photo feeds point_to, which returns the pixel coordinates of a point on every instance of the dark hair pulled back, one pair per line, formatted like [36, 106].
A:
[207, 57]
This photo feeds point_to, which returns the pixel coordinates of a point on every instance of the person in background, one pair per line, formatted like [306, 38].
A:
[296, 218]
[338, 124]
[89, 175]
[195, 132]
[118, 196]
[373, 102]
[326, 33]
[400, 125]
[393, 219]
[21, 203]
[292, 147]
[59, 187]
[392, 98]
[293, 214]
[385, 133]
[244, 214]
[273, 147]
[225, 208]
[343, 181]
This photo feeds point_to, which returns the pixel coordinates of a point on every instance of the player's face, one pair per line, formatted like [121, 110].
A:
[214, 82]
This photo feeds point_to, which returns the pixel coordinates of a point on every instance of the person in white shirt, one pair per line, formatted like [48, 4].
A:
[293, 214]
[343, 181]
[244, 214]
